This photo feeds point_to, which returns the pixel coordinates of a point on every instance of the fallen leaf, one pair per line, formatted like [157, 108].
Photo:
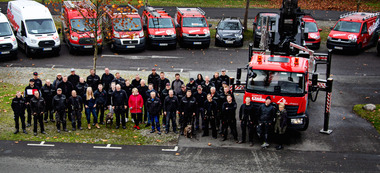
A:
[48, 138]
[113, 131]
[177, 154]
[16, 142]
[344, 118]
[134, 136]
[32, 64]
[367, 97]
[138, 144]
[77, 133]
[158, 140]
[209, 144]
[231, 62]
[55, 137]
[105, 140]
[155, 65]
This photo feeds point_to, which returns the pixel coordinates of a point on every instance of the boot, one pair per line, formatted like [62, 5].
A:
[24, 131]
[15, 132]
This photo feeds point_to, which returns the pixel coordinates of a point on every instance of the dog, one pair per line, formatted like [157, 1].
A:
[109, 117]
[188, 132]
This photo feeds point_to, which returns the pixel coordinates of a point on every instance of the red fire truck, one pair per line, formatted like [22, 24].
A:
[159, 28]
[77, 25]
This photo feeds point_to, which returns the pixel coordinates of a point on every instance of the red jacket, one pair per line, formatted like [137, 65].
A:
[135, 103]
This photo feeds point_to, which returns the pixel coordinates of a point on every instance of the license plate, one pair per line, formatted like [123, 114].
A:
[309, 44]
[163, 44]
[88, 47]
[48, 49]
[131, 47]
[197, 43]
[229, 42]
[339, 48]
[7, 52]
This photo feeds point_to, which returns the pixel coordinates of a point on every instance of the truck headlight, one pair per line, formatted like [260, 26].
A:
[173, 36]
[33, 41]
[329, 38]
[57, 40]
[207, 34]
[353, 40]
[141, 34]
[185, 35]
[217, 36]
[116, 34]
[14, 42]
[74, 38]
[296, 121]
[317, 37]
[151, 36]
[239, 36]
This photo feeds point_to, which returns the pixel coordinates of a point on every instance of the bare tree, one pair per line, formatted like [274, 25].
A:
[246, 15]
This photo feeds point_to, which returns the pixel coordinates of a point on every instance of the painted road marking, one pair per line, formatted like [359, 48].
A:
[42, 144]
[144, 57]
[10, 65]
[174, 150]
[107, 147]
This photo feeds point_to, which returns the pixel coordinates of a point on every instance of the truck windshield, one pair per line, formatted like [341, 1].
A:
[229, 26]
[127, 24]
[275, 83]
[160, 23]
[271, 24]
[5, 29]
[40, 26]
[81, 25]
[345, 26]
[311, 27]
[194, 22]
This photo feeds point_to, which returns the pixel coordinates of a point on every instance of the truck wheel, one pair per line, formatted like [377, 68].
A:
[27, 51]
[306, 123]
[207, 46]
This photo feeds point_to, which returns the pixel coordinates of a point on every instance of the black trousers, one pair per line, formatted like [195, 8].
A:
[20, 116]
[263, 130]
[29, 111]
[232, 125]
[145, 113]
[200, 111]
[244, 124]
[49, 112]
[137, 117]
[100, 107]
[209, 121]
[60, 117]
[171, 116]
[76, 117]
[218, 120]
[39, 118]
[120, 113]
[187, 119]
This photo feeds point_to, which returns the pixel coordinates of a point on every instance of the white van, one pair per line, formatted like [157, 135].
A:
[8, 42]
[34, 27]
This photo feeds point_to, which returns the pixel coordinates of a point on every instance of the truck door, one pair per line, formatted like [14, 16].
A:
[22, 35]
[364, 35]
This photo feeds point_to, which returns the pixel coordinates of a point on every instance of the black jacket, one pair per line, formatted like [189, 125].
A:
[56, 82]
[37, 105]
[162, 84]
[200, 98]
[76, 103]
[142, 90]
[66, 87]
[266, 113]
[171, 104]
[119, 81]
[29, 92]
[199, 82]
[192, 87]
[225, 78]
[128, 89]
[154, 106]
[48, 93]
[282, 117]
[81, 89]
[181, 95]
[101, 97]
[229, 111]
[246, 113]
[215, 97]
[93, 81]
[136, 83]
[210, 108]
[164, 94]
[59, 103]
[154, 80]
[74, 79]
[188, 105]
[38, 83]
[217, 82]
[107, 80]
[119, 98]
[207, 87]
[18, 105]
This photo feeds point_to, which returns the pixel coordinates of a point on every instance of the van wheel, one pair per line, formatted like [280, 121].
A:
[27, 51]
[71, 50]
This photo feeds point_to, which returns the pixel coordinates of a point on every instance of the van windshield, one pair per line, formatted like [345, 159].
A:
[160, 23]
[5, 29]
[194, 22]
[40, 26]
[311, 27]
[229, 26]
[345, 26]
[127, 24]
[81, 25]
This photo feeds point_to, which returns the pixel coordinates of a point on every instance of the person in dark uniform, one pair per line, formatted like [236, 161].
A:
[192, 86]
[246, 117]
[266, 114]
[59, 107]
[109, 93]
[66, 88]
[162, 83]
[181, 95]
[119, 80]
[120, 105]
[145, 97]
[188, 109]
[106, 79]
[154, 109]
[206, 85]
[93, 80]
[101, 101]
[164, 94]
[28, 95]
[76, 104]
[280, 125]
[137, 81]
[225, 77]
[200, 97]
[216, 80]
[218, 116]
[210, 106]
[170, 108]
[57, 80]
[154, 78]
[18, 106]
[229, 120]
[48, 92]
[128, 87]
[81, 88]
[73, 78]
[199, 79]
[177, 83]
[37, 81]
[37, 105]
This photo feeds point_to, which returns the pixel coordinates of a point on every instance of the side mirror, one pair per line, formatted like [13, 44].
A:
[177, 25]
[216, 27]
[238, 74]
[145, 27]
[320, 29]
[59, 30]
[242, 28]
[209, 25]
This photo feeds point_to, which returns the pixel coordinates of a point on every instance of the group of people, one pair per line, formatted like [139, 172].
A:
[203, 103]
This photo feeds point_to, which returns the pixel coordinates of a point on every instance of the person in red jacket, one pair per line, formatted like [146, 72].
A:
[136, 104]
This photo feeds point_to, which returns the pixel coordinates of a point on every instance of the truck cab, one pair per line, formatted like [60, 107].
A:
[34, 27]
[8, 42]
[312, 35]
[126, 29]
[193, 28]
[354, 31]
[274, 19]
[76, 26]
[284, 79]
[160, 28]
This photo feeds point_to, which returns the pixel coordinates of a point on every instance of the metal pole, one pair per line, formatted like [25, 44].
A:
[250, 52]
[325, 129]
[328, 68]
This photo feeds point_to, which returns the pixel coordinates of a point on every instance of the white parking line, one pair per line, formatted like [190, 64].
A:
[173, 150]
[10, 65]
[52, 66]
[42, 144]
[107, 147]
[143, 57]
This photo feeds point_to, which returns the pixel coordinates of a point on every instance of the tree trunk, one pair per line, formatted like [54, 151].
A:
[246, 16]
[358, 6]
[95, 55]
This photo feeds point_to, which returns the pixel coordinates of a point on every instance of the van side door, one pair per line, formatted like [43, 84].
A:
[365, 35]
